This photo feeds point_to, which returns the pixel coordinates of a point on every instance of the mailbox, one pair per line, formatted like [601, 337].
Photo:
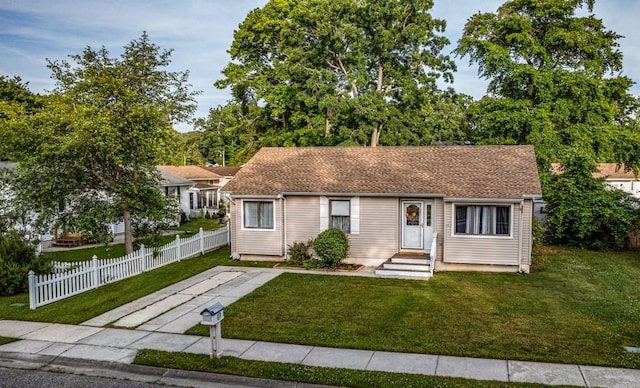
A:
[213, 314]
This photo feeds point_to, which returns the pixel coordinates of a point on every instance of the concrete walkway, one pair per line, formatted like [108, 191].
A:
[159, 319]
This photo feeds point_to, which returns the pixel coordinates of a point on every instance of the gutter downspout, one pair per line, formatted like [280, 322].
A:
[283, 204]
[520, 236]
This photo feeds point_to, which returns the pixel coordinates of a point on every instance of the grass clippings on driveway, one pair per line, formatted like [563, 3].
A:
[577, 307]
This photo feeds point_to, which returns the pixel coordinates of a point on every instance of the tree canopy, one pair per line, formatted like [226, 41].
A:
[556, 81]
[88, 155]
[342, 72]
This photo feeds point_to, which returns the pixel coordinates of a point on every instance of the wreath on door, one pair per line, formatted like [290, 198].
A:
[412, 213]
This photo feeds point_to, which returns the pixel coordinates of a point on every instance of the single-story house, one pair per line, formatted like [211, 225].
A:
[614, 175]
[227, 173]
[469, 206]
[177, 187]
[203, 195]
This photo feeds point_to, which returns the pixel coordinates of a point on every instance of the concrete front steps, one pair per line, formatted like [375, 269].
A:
[403, 265]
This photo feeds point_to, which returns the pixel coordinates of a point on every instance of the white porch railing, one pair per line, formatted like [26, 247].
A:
[68, 279]
[433, 252]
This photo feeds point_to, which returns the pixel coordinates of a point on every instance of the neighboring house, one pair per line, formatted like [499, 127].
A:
[614, 176]
[227, 174]
[178, 187]
[203, 196]
[474, 203]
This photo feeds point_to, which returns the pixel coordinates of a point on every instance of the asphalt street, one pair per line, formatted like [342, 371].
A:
[19, 378]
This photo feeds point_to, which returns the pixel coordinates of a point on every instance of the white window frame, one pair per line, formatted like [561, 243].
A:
[473, 226]
[273, 210]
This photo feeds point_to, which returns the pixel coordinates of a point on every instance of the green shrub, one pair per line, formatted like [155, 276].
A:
[17, 258]
[331, 246]
[299, 252]
[584, 212]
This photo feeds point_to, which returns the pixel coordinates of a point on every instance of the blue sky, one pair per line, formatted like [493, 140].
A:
[201, 31]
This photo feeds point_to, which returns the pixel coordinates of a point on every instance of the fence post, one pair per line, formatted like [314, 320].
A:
[143, 258]
[178, 253]
[32, 290]
[201, 241]
[94, 263]
[228, 234]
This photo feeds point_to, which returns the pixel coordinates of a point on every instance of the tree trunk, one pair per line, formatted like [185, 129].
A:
[128, 230]
[327, 122]
[375, 135]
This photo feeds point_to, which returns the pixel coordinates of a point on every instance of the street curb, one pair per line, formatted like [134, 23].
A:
[138, 373]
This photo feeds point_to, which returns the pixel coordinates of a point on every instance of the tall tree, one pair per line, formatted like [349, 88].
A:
[555, 80]
[89, 155]
[15, 99]
[340, 71]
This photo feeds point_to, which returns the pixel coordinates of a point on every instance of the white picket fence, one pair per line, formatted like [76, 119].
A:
[72, 278]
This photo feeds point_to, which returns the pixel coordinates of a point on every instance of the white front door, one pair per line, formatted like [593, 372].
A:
[417, 224]
[412, 225]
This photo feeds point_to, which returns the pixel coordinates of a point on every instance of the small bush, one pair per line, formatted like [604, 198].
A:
[17, 258]
[331, 246]
[299, 252]
[313, 264]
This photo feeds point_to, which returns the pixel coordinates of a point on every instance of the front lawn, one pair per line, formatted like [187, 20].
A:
[576, 307]
[92, 303]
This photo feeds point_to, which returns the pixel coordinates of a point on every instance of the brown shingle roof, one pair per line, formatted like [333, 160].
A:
[223, 171]
[452, 171]
[190, 172]
[605, 170]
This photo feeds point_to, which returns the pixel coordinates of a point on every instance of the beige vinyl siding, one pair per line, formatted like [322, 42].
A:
[481, 249]
[259, 241]
[378, 236]
[303, 218]
[527, 218]
[439, 204]
[233, 225]
[379, 229]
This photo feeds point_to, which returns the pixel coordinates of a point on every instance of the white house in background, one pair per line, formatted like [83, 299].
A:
[203, 195]
[614, 176]
[178, 187]
[227, 173]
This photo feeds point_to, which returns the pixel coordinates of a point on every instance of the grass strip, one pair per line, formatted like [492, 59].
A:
[7, 340]
[306, 374]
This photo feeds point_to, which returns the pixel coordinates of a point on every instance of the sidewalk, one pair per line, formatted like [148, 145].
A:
[159, 318]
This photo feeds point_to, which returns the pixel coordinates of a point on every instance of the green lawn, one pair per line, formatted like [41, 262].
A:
[117, 250]
[195, 224]
[576, 307]
[307, 374]
[89, 304]
[6, 340]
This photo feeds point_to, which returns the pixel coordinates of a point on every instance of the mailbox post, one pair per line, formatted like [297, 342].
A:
[212, 316]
